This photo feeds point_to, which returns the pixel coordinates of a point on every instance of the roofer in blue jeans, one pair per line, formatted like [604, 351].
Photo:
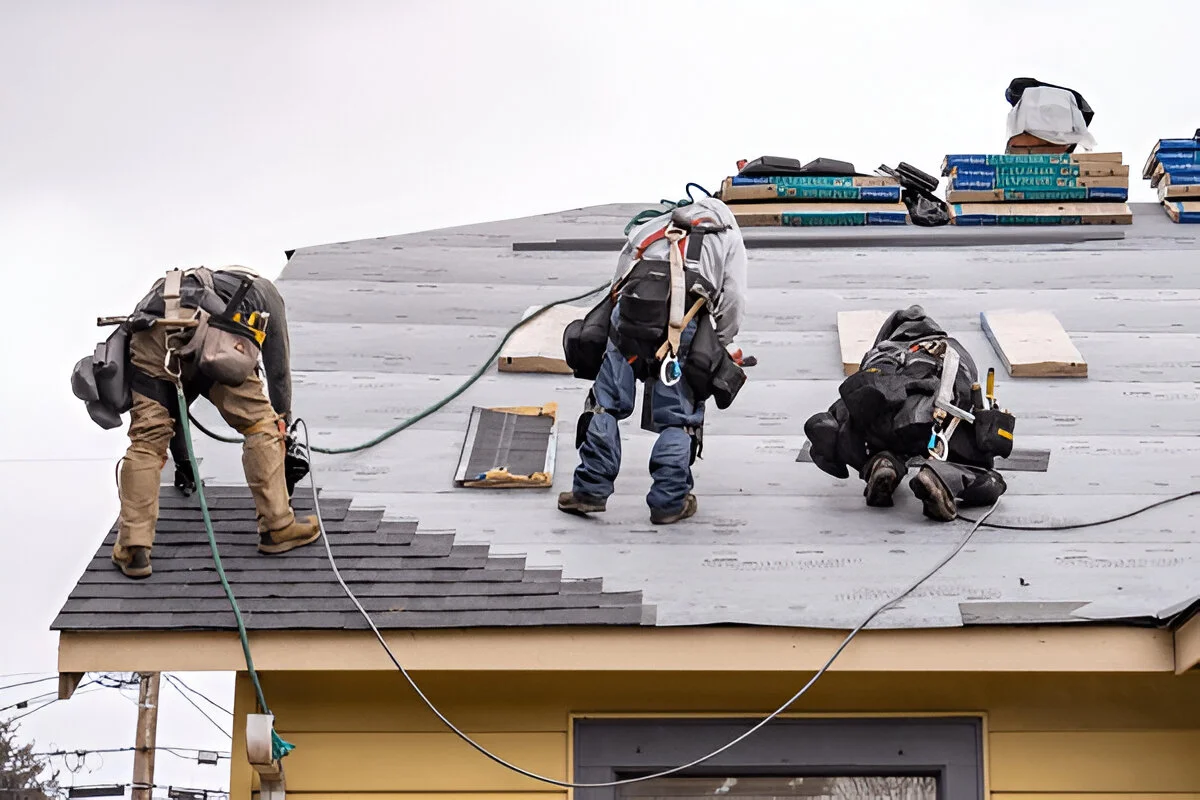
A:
[675, 306]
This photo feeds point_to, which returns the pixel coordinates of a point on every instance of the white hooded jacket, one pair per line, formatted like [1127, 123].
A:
[722, 261]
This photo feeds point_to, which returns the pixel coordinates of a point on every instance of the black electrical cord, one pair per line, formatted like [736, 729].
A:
[195, 705]
[28, 683]
[202, 696]
[1074, 526]
[607, 784]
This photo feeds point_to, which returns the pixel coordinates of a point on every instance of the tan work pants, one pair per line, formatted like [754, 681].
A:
[245, 407]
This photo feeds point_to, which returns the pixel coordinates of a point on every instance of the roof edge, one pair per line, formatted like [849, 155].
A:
[1030, 648]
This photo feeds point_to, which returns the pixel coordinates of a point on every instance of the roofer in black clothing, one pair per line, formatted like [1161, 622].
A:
[903, 404]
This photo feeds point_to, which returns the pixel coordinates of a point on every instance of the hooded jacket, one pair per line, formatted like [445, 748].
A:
[722, 262]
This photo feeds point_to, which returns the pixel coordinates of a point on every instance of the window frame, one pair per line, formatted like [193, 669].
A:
[949, 748]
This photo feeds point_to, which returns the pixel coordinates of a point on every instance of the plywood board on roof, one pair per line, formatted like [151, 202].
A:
[1033, 344]
[537, 345]
[802, 214]
[1041, 214]
[856, 334]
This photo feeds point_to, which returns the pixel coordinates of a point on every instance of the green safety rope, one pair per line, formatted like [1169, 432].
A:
[279, 748]
[470, 381]
[643, 217]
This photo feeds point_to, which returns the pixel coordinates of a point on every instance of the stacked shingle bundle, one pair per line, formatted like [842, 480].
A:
[1037, 189]
[772, 191]
[1174, 169]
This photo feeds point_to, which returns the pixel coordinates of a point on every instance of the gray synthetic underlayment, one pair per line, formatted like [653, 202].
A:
[383, 327]
[1021, 460]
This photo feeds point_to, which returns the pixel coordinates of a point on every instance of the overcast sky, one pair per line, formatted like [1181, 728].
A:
[137, 136]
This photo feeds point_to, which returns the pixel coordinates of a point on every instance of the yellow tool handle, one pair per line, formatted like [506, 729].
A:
[991, 383]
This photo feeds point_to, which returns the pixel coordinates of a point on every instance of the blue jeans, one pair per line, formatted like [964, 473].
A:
[673, 411]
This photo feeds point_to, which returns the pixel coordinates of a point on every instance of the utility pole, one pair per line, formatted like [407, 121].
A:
[147, 733]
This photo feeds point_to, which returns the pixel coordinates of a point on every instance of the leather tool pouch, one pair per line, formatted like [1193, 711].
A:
[994, 432]
[709, 369]
[586, 340]
[223, 350]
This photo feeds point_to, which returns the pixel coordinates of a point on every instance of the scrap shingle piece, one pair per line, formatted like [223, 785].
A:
[1033, 344]
[856, 333]
[509, 448]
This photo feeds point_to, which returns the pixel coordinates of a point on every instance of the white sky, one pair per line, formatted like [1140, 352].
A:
[136, 136]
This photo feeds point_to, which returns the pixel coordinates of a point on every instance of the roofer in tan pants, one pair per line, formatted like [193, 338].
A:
[245, 407]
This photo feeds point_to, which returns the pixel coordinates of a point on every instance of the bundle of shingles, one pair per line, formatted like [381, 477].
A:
[1174, 169]
[773, 191]
[1037, 189]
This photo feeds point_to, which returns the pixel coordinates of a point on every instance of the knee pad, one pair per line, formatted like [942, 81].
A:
[984, 490]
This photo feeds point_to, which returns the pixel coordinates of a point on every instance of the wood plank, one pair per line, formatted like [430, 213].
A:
[420, 762]
[1037, 195]
[1126, 761]
[864, 190]
[856, 334]
[1033, 344]
[537, 346]
[1187, 212]
[1168, 191]
[1041, 214]
[800, 214]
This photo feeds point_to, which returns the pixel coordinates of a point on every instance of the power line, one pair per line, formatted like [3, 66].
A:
[178, 752]
[203, 696]
[195, 705]
[28, 683]
[23, 703]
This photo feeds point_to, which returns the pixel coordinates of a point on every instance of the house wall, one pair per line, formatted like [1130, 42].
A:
[1048, 736]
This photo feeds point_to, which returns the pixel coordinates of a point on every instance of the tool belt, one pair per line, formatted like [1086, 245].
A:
[224, 347]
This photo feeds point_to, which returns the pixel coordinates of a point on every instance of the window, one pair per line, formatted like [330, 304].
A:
[905, 787]
[806, 759]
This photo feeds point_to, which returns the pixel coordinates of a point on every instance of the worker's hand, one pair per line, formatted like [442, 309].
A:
[741, 360]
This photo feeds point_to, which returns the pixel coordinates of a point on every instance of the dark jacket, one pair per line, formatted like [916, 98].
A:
[262, 296]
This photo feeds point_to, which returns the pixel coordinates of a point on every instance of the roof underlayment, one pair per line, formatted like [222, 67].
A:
[382, 328]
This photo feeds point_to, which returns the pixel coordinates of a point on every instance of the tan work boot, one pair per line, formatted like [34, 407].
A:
[659, 517]
[134, 562]
[298, 534]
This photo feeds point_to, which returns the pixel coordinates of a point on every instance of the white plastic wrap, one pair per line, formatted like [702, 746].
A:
[1051, 114]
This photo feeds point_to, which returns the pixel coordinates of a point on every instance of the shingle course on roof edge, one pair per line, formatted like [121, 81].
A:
[408, 579]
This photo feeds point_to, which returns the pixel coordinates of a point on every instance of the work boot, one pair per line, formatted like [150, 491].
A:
[660, 517]
[581, 504]
[935, 496]
[298, 534]
[134, 562]
[882, 480]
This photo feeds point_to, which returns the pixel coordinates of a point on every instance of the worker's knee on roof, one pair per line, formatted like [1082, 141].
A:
[270, 428]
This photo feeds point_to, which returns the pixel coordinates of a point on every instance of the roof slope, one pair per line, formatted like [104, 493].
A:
[382, 328]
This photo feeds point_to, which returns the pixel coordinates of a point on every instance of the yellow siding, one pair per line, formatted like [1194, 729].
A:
[1087, 761]
[1059, 736]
